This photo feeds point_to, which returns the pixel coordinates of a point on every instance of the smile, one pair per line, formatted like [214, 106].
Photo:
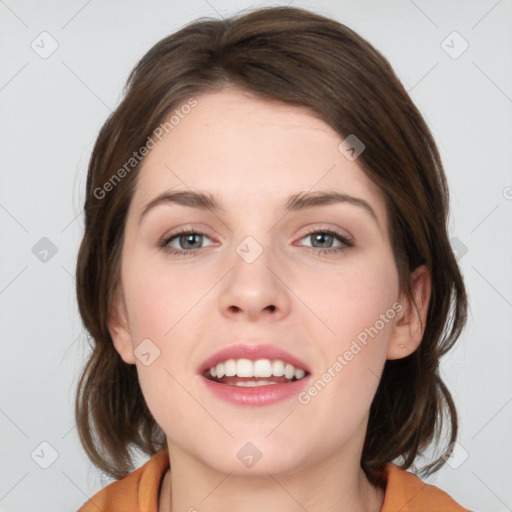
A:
[247, 373]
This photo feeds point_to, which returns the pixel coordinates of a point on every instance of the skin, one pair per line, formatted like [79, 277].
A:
[252, 154]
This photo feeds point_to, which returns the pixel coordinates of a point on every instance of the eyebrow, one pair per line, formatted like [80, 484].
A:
[295, 202]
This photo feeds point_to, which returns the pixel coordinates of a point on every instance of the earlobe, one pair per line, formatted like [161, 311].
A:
[119, 330]
[410, 325]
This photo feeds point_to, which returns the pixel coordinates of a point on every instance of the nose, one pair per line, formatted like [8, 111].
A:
[255, 291]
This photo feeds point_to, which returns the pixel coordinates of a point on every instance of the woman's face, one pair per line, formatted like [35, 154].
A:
[257, 273]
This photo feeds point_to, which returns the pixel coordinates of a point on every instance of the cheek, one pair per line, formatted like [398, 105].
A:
[361, 314]
[158, 297]
[354, 296]
[360, 311]
[161, 310]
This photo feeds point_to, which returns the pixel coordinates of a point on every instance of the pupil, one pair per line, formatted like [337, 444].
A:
[190, 237]
[322, 235]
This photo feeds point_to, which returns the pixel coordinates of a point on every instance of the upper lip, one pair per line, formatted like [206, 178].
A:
[252, 352]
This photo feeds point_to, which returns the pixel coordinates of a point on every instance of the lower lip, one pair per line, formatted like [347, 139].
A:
[257, 395]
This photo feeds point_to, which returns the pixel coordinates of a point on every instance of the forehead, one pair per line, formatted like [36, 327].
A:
[245, 150]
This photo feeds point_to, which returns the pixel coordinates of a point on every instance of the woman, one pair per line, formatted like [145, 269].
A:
[288, 359]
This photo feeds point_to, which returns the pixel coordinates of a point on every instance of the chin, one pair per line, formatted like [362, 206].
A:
[255, 458]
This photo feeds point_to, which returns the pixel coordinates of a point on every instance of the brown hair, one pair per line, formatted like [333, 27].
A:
[298, 57]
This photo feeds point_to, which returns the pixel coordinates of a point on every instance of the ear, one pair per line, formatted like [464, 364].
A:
[119, 330]
[410, 325]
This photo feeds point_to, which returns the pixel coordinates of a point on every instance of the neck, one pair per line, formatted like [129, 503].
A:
[337, 484]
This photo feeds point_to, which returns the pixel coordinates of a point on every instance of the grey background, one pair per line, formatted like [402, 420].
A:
[52, 109]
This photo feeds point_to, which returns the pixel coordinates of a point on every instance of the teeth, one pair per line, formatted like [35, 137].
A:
[254, 383]
[230, 368]
[277, 368]
[289, 371]
[299, 373]
[261, 368]
[244, 368]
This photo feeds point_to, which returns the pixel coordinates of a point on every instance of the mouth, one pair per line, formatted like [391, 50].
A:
[254, 373]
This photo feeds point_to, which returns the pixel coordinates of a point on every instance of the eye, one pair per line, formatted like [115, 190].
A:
[189, 240]
[325, 238]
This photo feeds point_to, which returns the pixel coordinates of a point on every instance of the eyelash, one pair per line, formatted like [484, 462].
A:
[347, 243]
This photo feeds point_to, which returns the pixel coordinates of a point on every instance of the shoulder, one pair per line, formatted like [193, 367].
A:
[408, 493]
[137, 492]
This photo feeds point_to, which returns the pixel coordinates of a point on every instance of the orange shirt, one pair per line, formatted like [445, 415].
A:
[140, 490]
